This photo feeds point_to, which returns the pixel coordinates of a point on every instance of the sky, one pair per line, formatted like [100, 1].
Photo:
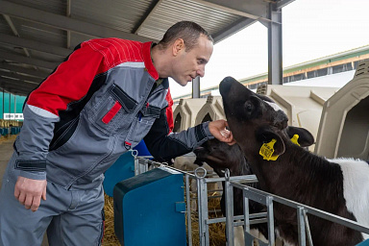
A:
[311, 29]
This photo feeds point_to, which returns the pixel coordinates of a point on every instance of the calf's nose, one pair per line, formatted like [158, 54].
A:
[225, 85]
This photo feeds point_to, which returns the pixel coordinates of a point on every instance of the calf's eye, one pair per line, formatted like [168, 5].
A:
[249, 107]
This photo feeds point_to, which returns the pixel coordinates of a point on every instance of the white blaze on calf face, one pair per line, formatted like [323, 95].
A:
[274, 106]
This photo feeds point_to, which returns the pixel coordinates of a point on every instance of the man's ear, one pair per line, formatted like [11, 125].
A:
[267, 135]
[178, 46]
[305, 138]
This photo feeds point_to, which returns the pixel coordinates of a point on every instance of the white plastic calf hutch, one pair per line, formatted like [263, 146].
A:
[185, 113]
[302, 104]
[344, 126]
[211, 110]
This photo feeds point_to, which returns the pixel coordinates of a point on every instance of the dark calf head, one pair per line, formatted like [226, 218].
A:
[255, 119]
[220, 156]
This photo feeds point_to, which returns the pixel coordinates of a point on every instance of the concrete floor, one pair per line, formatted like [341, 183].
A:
[6, 151]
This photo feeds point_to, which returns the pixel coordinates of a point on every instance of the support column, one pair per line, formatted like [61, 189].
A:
[196, 87]
[3, 103]
[275, 64]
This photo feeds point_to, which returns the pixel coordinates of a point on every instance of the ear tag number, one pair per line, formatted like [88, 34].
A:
[295, 139]
[267, 150]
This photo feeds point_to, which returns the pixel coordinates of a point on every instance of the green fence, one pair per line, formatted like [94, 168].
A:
[10, 104]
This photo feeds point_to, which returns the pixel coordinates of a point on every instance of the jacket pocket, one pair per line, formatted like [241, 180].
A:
[113, 111]
[142, 124]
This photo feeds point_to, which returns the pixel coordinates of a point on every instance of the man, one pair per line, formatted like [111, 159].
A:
[100, 102]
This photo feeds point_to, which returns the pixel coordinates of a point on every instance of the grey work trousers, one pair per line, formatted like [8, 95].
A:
[70, 217]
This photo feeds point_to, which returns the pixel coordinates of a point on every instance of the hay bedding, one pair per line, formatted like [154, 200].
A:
[7, 138]
[109, 235]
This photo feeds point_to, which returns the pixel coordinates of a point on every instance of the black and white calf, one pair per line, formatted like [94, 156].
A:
[339, 186]
[220, 156]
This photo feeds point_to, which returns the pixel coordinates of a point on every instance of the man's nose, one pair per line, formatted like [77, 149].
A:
[201, 71]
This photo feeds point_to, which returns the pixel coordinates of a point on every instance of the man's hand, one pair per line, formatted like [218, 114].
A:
[29, 192]
[219, 130]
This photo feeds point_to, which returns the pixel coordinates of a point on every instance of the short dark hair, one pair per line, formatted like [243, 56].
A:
[187, 30]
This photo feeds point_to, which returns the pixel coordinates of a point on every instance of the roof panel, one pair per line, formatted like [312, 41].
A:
[121, 15]
[51, 6]
[37, 34]
[171, 11]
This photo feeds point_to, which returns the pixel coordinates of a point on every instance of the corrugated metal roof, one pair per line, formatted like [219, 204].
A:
[35, 35]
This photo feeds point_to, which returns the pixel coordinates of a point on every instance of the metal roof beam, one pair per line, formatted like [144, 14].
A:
[231, 29]
[17, 82]
[31, 80]
[63, 22]
[150, 10]
[283, 3]
[14, 90]
[232, 10]
[28, 60]
[34, 45]
[18, 85]
[23, 70]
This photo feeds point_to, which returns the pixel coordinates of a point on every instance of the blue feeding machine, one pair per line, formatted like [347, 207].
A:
[149, 209]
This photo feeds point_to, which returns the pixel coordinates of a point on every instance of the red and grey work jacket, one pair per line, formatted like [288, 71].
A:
[99, 103]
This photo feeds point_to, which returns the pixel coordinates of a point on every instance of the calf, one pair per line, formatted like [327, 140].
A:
[339, 186]
[220, 156]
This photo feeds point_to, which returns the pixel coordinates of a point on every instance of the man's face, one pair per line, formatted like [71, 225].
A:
[189, 65]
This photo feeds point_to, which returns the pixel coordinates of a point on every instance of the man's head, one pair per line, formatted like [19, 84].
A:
[187, 48]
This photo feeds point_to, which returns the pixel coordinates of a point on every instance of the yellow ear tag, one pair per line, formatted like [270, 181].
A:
[267, 150]
[295, 139]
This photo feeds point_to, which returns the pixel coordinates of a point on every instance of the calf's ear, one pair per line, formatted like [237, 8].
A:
[305, 138]
[266, 135]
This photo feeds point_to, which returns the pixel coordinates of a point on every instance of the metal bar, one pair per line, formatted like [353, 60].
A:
[245, 179]
[270, 216]
[314, 211]
[246, 212]
[275, 70]
[228, 189]
[232, 10]
[162, 164]
[153, 6]
[232, 29]
[34, 45]
[196, 87]
[12, 68]
[28, 60]
[3, 103]
[301, 226]
[203, 211]
[283, 3]
[310, 239]
[253, 219]
[188, 202]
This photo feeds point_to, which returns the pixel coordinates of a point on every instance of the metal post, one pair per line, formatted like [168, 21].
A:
[3, 103]
[202, 193]
[15, 104]
[196, 87]
[228, 189]
[246, 218]
[9, 114]
[246, 212]
[301, 226]
[270, 217]
[188, 201]
[308, 231]
[275, 69]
